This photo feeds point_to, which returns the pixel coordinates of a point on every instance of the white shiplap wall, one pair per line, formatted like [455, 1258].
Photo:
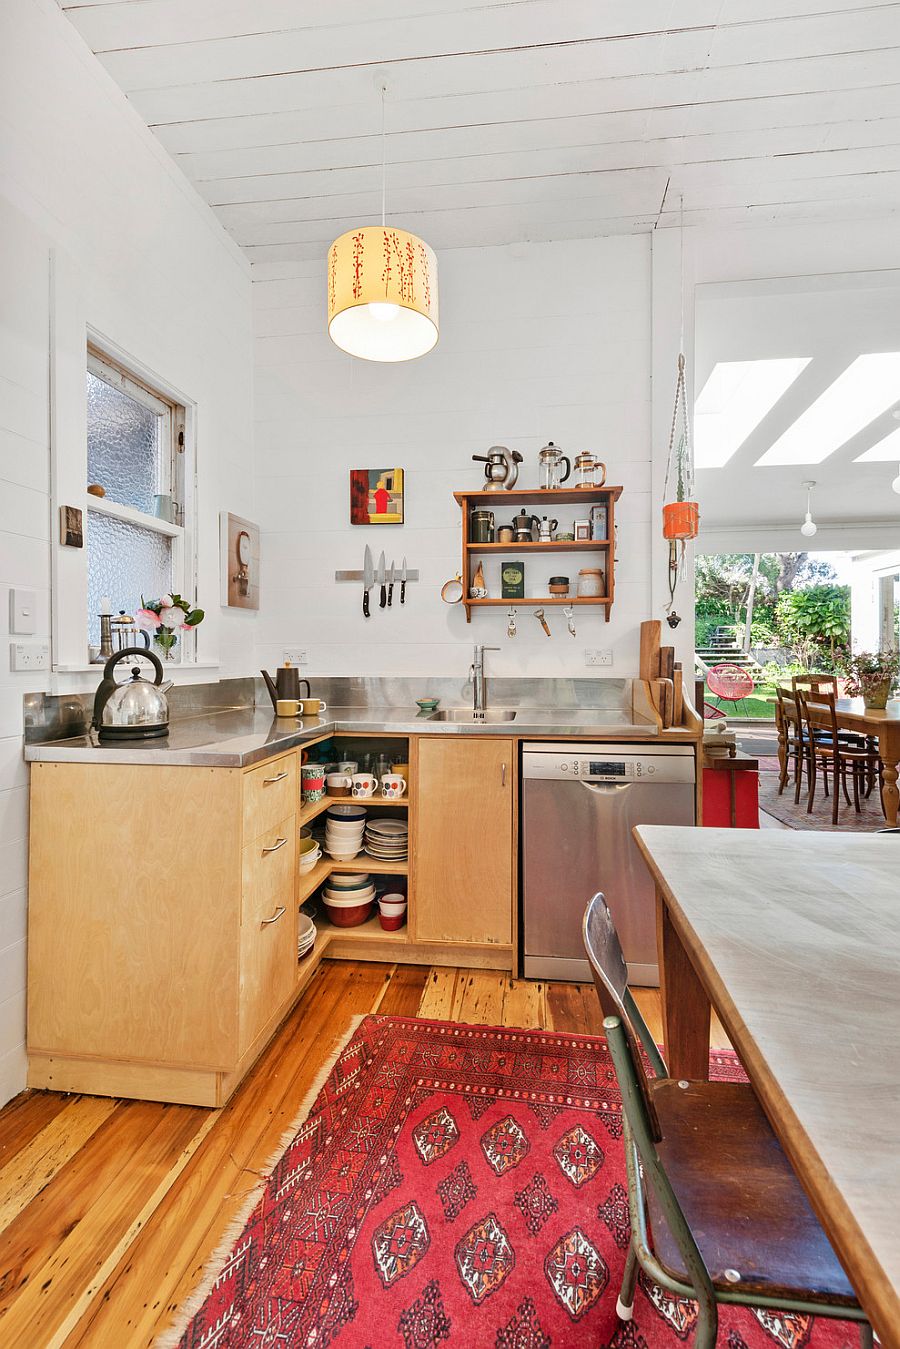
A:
[81, 176]
[540, 342]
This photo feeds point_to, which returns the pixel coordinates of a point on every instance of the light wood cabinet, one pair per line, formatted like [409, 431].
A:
[154, 966]
[464, 841]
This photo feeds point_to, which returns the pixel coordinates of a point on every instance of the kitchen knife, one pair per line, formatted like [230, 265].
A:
[403, 582]
[368, 580]
[391, 583]
[380, 579]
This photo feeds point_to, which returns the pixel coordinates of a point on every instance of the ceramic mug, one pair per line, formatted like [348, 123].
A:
[287, 707]
[348, 766]
[339, 784]
[364, 784]
[312, 782]
[311, 707]
[392, 785]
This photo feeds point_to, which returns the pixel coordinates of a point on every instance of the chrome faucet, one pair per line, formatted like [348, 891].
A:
[478, 680]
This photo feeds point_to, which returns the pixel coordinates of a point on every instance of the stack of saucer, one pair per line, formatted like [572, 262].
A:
[344, 828]
[388, 840]
[306, 935]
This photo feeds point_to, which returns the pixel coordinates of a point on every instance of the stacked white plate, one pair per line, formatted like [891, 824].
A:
[344, 830]
[306, 935]
[388, 840]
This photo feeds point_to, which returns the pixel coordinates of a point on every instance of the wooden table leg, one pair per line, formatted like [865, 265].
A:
[890, 796]
[685, 1006]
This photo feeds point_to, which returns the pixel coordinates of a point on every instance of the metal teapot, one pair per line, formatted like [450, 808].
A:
[527, 527]
[135, 709]
[502, 468]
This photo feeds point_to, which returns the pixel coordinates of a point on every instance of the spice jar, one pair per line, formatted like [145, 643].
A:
[559, 585]
[590, 583]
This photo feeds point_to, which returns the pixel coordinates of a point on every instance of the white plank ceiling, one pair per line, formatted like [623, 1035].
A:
[514, 120]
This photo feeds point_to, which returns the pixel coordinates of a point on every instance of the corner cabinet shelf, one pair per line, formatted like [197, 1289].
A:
[538, 501]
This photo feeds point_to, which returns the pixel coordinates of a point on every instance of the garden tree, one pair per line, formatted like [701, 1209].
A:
[814, 618]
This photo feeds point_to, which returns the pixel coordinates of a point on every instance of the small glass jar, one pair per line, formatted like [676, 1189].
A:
[559, 585]
[590, 583]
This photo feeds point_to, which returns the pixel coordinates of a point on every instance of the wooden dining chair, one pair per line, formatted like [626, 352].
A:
[717, 1213]
[834, 755]
[791, 749]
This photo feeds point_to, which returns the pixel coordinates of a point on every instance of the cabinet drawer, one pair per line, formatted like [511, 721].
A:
[268, 868]
[268, 927]
[270, 795]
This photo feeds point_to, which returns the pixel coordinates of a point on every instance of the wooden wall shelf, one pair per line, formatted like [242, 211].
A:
[542, 502]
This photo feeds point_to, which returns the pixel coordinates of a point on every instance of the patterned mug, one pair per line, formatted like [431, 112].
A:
[392, 786]
[364, 784]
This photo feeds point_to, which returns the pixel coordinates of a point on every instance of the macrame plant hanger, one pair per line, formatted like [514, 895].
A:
[681, 514]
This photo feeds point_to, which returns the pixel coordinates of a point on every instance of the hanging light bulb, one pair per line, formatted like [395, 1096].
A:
[382, 288]
[809, 526]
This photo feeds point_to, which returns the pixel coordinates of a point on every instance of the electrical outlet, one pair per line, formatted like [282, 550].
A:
[598, 656]
[298, 655]
[29, 655]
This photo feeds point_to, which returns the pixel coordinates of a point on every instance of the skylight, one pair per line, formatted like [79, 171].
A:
[734, 400]
[886, 451]
[868, 386]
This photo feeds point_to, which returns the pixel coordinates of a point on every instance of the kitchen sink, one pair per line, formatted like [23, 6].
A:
[465, 714]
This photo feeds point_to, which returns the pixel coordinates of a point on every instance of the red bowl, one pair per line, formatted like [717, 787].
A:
[351, 916]
[392, 924]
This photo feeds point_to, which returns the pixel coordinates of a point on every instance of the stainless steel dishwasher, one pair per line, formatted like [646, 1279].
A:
[579, 804]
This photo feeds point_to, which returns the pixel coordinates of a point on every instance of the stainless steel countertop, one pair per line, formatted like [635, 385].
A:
[236, 739]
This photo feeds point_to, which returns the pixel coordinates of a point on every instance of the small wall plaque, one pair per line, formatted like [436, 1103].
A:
[71, 526]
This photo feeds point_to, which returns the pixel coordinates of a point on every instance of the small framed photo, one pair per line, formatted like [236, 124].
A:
[582, 529]
[71, 526]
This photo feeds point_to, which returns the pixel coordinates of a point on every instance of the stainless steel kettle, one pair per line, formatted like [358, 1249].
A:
[134, 709]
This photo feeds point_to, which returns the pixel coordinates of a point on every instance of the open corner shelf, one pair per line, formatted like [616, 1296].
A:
[542, 501]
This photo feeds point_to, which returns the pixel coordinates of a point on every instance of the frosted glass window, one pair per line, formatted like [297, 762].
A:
[124, 445]
[124, 562]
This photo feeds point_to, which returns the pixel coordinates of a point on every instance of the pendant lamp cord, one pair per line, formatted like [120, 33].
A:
[383, 156]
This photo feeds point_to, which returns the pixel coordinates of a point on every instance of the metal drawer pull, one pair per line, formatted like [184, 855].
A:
[503, 775]
[279, 843]
[279, 777]
[279, 913]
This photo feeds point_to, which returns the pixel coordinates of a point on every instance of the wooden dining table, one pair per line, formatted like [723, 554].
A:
[794, 938]
[853, 715]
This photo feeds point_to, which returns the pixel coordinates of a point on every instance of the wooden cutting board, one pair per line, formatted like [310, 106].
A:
[650, 633]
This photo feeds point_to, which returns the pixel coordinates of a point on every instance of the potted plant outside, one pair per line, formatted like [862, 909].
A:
[871, 675]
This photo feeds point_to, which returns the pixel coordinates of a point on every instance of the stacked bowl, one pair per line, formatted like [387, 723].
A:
[344, 830]
[310, 853]
[306, 935]
[349, 899]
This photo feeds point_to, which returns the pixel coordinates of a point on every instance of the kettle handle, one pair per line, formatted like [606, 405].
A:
[144, 652]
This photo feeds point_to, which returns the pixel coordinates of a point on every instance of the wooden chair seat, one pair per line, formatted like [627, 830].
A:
[740, 1196]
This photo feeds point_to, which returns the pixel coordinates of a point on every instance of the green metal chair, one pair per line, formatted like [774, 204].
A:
[717, 1213]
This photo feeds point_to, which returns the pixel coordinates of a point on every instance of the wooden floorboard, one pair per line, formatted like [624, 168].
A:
[111, 1210]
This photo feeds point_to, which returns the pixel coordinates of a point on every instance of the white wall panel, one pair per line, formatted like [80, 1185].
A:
[82, 176]
[543, 342]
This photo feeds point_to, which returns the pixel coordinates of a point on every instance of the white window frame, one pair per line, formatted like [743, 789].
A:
[74, 344]
[172, 413]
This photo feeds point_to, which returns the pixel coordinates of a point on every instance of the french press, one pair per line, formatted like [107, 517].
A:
[550, 462]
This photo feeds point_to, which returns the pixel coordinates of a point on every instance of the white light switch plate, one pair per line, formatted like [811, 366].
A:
[22, 611]
[29, 655]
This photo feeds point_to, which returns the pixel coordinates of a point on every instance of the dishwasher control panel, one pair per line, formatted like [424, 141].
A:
[608, 763]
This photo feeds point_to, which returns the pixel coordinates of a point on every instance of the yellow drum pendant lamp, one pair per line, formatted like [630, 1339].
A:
[382, 286]
[382, 294]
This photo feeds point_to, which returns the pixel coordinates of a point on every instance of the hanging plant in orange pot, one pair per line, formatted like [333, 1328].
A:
[681, 514]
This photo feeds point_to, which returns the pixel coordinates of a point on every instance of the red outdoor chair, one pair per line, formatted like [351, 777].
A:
[730, 683]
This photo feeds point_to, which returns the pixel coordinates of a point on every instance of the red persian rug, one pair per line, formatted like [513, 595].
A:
[458, 1185]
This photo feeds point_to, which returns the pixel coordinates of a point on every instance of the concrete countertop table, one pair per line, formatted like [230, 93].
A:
[794, 938]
